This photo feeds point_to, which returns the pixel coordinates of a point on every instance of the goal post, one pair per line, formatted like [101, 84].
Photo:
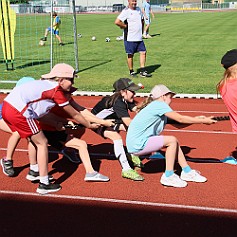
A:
[31, 58]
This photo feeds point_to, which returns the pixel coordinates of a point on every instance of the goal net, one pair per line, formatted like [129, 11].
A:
[32, 57]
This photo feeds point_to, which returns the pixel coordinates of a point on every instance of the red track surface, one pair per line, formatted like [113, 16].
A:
[122, 207]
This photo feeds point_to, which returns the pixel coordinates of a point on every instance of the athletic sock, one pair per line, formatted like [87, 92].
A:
[44, 179]
[121, 155]
[186, 169]
[142, 69]
[34, 167]
[131, 71]
[168, 173]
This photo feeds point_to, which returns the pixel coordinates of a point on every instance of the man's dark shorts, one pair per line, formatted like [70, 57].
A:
[134, 47]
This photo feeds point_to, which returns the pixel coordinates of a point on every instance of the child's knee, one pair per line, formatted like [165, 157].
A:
[83, 144]
[171, 140]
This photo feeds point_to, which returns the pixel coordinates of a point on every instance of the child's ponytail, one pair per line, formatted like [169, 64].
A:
[147, 101]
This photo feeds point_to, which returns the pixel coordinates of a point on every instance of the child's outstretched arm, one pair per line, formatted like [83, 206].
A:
[188, 119]
[78, 117]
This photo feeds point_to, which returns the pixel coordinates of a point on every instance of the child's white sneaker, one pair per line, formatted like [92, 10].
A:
[173, 181]
[193, 176]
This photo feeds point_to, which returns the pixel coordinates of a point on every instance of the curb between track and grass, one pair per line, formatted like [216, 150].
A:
[94, 93]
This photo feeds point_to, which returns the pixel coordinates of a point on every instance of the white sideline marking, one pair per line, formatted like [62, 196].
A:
[197, 111]
[123, 201]
[10, 82]
[96, 93]
[198, 131]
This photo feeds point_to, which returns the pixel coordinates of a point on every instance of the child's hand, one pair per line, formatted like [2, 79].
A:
[200, 117]
[94, 125]
[108, 123]
[206, 120]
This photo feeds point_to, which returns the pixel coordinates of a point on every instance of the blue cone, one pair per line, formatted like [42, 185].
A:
[157, 155]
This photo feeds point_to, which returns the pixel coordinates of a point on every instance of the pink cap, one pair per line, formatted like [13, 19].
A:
[60, 70]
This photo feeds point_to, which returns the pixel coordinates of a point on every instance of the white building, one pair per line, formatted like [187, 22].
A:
[86, 3]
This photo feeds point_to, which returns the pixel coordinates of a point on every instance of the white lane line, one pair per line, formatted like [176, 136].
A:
[191, 111]
[199, 131]
[197, 111]
[123, 201]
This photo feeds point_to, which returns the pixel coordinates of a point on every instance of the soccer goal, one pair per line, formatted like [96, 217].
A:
[22, 52]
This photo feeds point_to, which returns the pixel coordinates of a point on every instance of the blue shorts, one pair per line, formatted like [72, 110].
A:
[55, 32]
[134, 47]
[0, 111]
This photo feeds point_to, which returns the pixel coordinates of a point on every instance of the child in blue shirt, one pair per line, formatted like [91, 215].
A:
[143, 135]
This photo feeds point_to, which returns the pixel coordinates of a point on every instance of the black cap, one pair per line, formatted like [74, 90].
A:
[125, 84]
[229, 59]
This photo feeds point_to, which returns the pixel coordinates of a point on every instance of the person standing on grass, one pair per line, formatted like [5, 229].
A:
[147, 12]
[29, 102]
[55, 29]
[131, 21]
[143, 135]
[227, 86]
[116, 107]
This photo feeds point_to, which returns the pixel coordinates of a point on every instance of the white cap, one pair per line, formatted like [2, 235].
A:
[160, 90]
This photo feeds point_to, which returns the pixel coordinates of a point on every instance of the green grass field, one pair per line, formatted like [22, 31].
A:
[184, 53]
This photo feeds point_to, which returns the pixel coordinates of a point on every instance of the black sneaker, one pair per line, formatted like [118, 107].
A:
[145, 74]
[34, 176]
[133, 74]
[48, 188]
[44, 39]
[61, 44]
[71, 155]
[7, 167]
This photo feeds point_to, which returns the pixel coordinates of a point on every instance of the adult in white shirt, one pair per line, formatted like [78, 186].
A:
[131, 21]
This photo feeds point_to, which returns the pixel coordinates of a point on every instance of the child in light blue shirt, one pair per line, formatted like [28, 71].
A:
[144, 135]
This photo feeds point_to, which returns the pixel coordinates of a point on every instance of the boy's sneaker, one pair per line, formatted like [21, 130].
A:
[144, 36]
[44, 39]
[173, 181]
[96, 177]
[145, 74]
[148, 36]
[48, 188]
[61, 44]
[7, 167]
[71, 155]
[193, 176]
[133, 74]
[135, 160]
[132, 174]
[34, 176]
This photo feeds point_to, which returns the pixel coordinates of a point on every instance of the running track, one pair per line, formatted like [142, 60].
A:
[122, 207]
